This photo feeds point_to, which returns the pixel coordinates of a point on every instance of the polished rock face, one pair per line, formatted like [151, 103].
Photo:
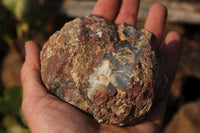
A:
[113, 72]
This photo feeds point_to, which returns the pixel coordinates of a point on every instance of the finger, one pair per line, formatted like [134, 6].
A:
[154, 120]
[128, 12]
[107, 9]
[171, 53]
[30, 73]
[156, 20]
[32, 55]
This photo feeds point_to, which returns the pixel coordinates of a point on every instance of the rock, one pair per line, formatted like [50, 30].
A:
[113, 72]
[186, 120]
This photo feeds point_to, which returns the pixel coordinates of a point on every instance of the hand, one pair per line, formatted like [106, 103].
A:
[46, 113]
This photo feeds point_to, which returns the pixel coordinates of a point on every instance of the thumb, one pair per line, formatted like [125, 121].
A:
[30, 73]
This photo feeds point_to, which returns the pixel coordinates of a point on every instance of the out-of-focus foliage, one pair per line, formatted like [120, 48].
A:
[11, 101]
[10, 110]
[3, 22]
[28, 18]
[9, 4]
[24, 10]
[13, 126]
[7, 22]
[22, 28]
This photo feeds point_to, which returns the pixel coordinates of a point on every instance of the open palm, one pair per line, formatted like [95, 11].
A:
[46, 113]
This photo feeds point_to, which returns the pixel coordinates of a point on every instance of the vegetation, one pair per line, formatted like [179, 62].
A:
[22, 20]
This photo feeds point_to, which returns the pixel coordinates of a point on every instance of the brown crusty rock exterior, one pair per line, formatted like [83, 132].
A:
[113, 72]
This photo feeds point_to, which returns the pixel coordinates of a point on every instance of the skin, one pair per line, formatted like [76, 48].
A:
[46, 113]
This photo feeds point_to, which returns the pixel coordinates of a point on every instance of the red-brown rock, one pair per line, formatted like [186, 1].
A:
[113, 72]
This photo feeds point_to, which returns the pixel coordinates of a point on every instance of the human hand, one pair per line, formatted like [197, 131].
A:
[46, 113]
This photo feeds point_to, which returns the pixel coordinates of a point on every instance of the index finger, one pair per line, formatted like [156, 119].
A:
[128, 12]
[107, 9]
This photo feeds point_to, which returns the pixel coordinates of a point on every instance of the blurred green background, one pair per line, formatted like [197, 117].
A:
[22, 20]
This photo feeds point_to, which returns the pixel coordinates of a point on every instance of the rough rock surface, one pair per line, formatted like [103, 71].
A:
[113, 72]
